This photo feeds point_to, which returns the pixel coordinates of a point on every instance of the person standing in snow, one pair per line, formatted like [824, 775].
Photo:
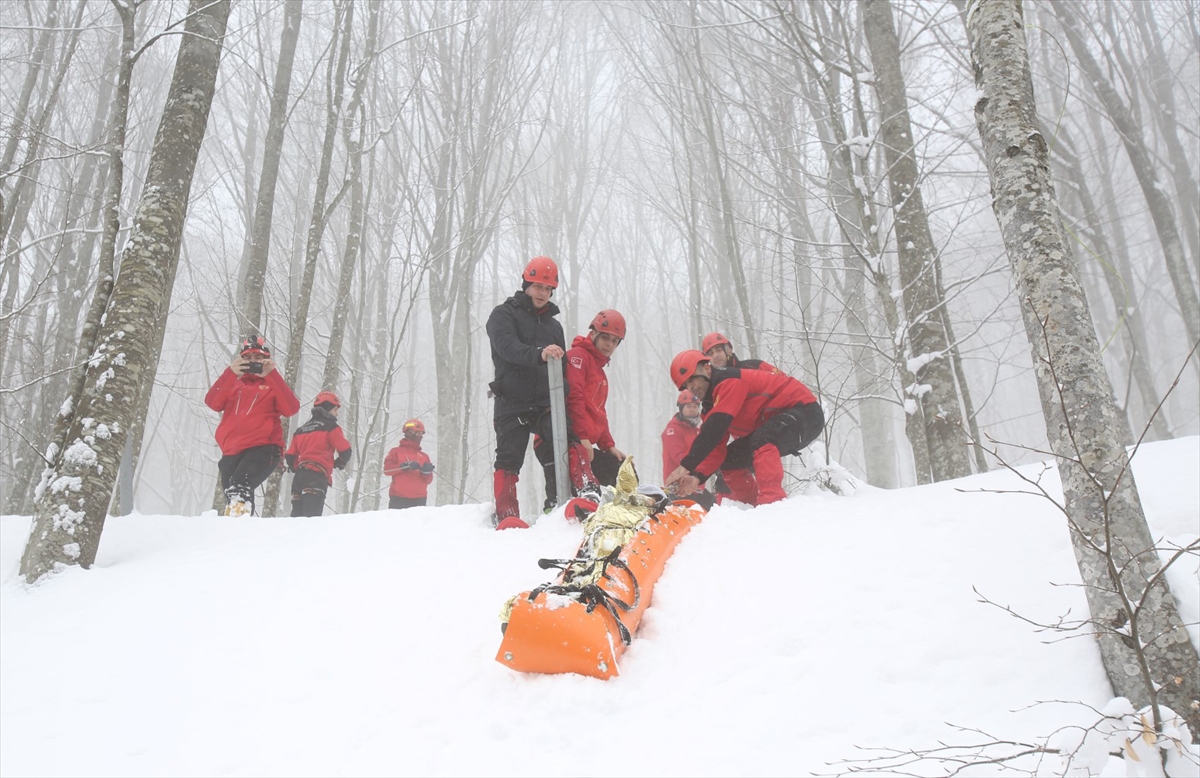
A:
[251, 396]
[677, 440]
[767, 412]
[318, 446]
[524, 336]
[410, 468]
[587, 394]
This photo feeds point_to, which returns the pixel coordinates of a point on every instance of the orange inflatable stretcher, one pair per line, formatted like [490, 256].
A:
[583, 622]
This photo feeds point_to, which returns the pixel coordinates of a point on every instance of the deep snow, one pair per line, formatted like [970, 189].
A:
[782, 640]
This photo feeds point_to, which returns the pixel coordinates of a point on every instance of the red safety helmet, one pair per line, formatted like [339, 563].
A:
[327, 397]
[414, 425]
[541, 270]
[684, 365]
[609, 321]
[255, 344]
[685, 398]
[714, 339]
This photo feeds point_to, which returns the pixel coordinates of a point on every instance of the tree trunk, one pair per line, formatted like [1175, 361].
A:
[74, 494]
[264, 209]
[1143, 167]
[1147, 652]
[935, 390]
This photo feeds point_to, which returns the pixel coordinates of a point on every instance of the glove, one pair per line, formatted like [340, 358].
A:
[290, 461]
[410, 465]
[427, 468]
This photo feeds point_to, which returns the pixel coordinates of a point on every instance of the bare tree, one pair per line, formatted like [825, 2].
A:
[1112, 542]
[75, 492]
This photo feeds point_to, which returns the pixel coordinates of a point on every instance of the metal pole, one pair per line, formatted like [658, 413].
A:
[558, 428]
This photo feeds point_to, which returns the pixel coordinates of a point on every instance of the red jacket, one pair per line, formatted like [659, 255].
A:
[742, 400]
[676, 440]
[250, 407]
[314, 446]
[410, 481]
[587, 392]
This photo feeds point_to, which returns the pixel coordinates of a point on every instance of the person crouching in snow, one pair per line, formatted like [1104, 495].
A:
[318, 446]
[410, 469]
[677, 440]
[250, 395]
[587, 393]
[768, 413]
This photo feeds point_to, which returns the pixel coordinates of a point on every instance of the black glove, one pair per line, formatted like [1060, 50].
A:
[409, 465]
[427, 468]
[290, 459]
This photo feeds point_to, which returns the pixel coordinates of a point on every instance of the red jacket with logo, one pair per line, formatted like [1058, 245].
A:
[587, 392]
[408, 482]
[742, 400]
[676, 440]
[250, 407]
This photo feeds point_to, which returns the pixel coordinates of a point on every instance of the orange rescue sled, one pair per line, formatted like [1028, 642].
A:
[583, 622]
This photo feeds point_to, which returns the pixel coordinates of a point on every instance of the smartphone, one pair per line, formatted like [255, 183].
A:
[254, 367]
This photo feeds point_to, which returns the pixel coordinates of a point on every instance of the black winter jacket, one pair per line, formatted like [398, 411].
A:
[518, 335]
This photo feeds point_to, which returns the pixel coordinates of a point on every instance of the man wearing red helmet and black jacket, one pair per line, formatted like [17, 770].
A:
[250, 395]
[524, 335]
[767, 412]
[318, 446]
[587, 393]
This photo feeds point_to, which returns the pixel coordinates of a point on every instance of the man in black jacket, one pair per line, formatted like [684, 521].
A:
[524, 336]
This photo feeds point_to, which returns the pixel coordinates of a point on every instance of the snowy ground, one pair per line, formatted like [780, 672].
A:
[781, 641]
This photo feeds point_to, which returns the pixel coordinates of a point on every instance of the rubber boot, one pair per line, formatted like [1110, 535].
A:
[508, 507]
[768, 472]
[742, 487]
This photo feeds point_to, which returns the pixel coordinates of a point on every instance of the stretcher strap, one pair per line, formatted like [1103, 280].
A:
[592, 595]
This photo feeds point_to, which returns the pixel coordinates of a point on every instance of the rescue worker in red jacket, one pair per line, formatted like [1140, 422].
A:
[587, 394]
[318, 446]
[251, 396]
[410, 468]
[768, 413]
[720, 351]
[677, 440]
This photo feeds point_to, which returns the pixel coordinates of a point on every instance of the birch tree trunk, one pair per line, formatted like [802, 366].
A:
[75, 492]
[1147, 653]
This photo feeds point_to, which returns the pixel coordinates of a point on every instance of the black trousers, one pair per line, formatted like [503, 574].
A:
[790, 430]
[308, 492]
[243, 472]
[513, 428]
[407, 502]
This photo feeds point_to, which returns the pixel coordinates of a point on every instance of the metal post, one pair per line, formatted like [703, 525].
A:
[558, 427]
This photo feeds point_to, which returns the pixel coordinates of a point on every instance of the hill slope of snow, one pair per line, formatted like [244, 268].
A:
[781, 640]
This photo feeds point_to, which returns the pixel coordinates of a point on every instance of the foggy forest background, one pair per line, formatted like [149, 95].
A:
[696, 165]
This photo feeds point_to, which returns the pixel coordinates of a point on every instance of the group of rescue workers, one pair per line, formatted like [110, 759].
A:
[252, 396]
[766, 413]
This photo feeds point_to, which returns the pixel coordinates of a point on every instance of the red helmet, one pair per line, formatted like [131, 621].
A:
[327, 397]
[609, 321]
[255, 344]
[714, 339]
[414, 425]
[685, 398]
[541, 270]
[684, 365]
